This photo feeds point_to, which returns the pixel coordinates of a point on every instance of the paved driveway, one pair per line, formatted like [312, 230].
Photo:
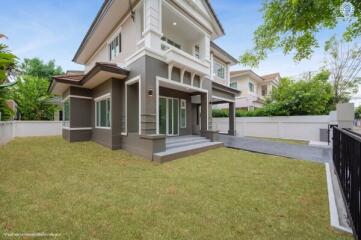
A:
[296, 151]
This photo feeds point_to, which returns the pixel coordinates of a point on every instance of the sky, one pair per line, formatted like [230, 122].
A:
[53, 29]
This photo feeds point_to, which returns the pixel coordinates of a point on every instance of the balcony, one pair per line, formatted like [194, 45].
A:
[184, 60]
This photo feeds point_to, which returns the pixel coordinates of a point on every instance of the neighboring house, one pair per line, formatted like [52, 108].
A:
[254, 88]
[151, 72]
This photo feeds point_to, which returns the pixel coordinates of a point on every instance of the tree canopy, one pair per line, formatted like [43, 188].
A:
[37, 68]
[33, 99]
[344, 63]
[291, 25]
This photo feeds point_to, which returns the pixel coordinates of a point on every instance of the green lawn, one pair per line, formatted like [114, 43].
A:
[85, 191]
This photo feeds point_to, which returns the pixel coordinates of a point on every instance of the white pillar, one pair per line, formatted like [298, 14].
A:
[153, 24]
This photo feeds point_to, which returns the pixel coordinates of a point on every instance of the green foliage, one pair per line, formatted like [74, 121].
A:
[219, 113]
[358, 112]
[305, 97]
[7, 69]
[37, 68]
[33, 99]
[291, 25]
[7, 63]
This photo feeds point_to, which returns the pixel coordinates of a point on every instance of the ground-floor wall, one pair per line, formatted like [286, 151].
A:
[134, 104]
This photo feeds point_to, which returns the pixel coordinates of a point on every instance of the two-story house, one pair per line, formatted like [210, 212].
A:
[254, 88]
[152, 73]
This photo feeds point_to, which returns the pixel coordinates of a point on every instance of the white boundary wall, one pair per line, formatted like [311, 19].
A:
[12, 129]
[286, 127]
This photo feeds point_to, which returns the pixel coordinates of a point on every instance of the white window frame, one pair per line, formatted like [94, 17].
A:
[117, 39]
[99, 99]
[215, 72]
[249, 87]
[236, 87]
[183, 106]
[197, 53]
[66, 123]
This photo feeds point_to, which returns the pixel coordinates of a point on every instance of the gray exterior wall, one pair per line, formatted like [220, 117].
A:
[82, 111]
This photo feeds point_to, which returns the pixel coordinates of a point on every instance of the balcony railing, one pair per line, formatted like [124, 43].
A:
[182, 59]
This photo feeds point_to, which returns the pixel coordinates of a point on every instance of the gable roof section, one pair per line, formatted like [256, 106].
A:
[215, 16]
[222, 54]
[272, 76]
[82, 79]
[103, 12]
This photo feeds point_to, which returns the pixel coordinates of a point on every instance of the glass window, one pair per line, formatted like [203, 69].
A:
[183, 114]
[219, 70]
[115, 47]
[264, 90]
[103, 113]
[197, 51]
[251, 87]
[233, 85]
[66, 113]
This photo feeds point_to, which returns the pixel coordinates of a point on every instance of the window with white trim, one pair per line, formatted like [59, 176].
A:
[102, 112]
[251, 87]
[183, 113]
[115, 47]
[219, 69]
[197, 52]
[233, 85]
[66, 113]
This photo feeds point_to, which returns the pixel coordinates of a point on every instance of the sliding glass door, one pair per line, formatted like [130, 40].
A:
[169, 116]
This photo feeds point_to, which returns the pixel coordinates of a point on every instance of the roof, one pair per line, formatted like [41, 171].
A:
[105, 7]
[225, 88]
[215, 15]
[223, 52]
[268, 77]
[271, 76]
[81, 79]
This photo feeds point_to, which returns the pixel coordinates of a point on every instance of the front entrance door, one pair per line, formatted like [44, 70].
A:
[169, 116]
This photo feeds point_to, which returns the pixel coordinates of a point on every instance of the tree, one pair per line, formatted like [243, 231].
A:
[291, 25]
[37, 68]
[33, 99]
[7, 70]
[305, 97]
[344, 63]
[358, 112]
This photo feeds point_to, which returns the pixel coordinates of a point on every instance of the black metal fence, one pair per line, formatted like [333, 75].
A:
[347, 161]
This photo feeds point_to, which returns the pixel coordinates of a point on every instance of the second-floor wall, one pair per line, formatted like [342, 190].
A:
[179, 33]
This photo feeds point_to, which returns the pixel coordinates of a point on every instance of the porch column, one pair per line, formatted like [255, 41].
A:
[204, 115]
[232, 119]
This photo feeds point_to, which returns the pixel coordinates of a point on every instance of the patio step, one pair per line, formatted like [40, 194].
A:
[184, 151]
[183, 138]
[189, 142]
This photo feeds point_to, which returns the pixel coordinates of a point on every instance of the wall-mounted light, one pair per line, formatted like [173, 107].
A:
[174, 23]
[150, 92]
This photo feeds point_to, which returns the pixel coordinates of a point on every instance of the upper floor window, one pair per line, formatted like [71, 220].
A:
[172, 43]
[233, 85]
[196, 52]
[264, 90]
[219, 70]
[251, 87]
[115, 47]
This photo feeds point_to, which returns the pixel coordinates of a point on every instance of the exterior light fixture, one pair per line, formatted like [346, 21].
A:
[150, 92]
[174, 23]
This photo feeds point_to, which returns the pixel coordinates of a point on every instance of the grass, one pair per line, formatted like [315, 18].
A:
[84, 191]
[289, 141]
